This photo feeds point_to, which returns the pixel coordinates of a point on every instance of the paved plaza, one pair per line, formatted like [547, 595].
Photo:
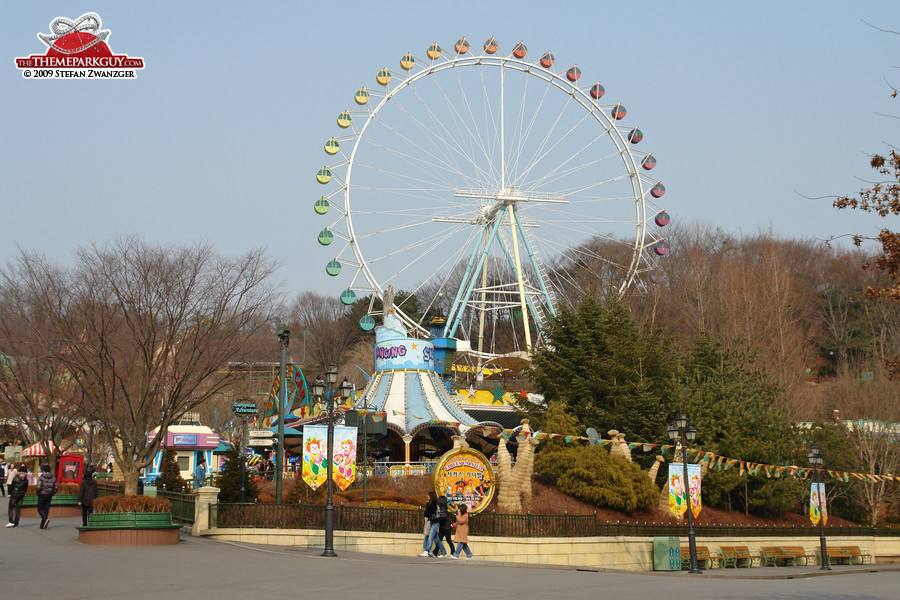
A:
[37, 564]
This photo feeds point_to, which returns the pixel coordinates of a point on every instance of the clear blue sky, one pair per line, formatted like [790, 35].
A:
[743, 104]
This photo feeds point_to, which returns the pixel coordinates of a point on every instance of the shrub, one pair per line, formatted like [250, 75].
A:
[591, 474]
[140, 504]
[169, 473]
[64, 488]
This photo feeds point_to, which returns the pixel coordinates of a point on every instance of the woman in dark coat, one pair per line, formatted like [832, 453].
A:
[446, 529]
[86, 494]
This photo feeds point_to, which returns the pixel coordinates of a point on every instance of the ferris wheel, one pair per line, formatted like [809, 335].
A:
[491, 187]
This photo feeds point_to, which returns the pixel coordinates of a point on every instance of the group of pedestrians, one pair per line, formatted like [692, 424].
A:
[46, 487]
[438, 526]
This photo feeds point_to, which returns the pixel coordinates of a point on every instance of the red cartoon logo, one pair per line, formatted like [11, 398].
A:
[78, 49]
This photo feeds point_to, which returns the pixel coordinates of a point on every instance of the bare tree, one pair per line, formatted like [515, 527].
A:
[327, 327]
[35, 387]
[871, 414]
[144, 331]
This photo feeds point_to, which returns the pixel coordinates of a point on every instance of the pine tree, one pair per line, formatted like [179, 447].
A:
[229, 482]
[608, 371]
[169, 473]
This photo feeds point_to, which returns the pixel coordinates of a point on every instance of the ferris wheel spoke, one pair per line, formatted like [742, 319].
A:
[554, 173]
[464, 133]
[446, 157]
[527, 133]
[543, 150]
[434, 168]
[448, 141]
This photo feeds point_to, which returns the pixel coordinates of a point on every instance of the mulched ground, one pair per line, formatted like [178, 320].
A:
[547, 500]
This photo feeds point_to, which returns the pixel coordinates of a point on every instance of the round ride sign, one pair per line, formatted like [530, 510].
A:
[465, 476]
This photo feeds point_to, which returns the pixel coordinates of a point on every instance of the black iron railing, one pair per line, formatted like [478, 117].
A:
[398, 520]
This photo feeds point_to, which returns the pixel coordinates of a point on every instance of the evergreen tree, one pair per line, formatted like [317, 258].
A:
[733, 406]
[607, 371]
[229, 481]
[169, 473]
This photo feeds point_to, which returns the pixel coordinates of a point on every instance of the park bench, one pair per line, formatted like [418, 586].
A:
[855, 552]
[732, 556]
[836, 554]
[705, 559]
[798, 552]
[771, 555]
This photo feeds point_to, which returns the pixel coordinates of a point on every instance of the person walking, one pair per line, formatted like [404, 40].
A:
[46, 486]
[3, 467]
[87, 492]
[462, 533]
[446, 530]
[18, 485]
[432, 525]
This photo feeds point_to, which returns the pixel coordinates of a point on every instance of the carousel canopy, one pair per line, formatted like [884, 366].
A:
[37, 450]
[412, 398]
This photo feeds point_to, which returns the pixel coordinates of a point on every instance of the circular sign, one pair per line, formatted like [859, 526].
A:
[465, 476]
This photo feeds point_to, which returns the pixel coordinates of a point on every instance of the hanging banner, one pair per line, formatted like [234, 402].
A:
[315, 438]
[344, 472]
[818, 506]
[677, 503]
[694, 487]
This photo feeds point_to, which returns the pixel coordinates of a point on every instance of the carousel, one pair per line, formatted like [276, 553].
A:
[421, 417]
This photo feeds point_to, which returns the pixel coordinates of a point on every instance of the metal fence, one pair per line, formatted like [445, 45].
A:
[183, 505]
[398, 520]
[312, 516]
[107, 487]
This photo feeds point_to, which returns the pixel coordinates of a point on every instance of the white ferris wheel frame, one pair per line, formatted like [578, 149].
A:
[640, 188]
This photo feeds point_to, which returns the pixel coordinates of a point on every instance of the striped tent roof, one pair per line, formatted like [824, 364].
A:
[37, 450]
[413, 398]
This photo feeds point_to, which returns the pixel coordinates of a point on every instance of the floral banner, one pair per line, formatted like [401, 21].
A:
[315, 438]
[694, 486]
[344, 456]
[818, 506]
[677, 503]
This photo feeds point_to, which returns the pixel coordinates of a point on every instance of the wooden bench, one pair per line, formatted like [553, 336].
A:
[771, 555]
[855, 552]
[705, 559]
[798, 552]
[836, 554]
[732, 556]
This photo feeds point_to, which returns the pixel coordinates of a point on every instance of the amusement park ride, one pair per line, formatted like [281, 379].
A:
[493, 188]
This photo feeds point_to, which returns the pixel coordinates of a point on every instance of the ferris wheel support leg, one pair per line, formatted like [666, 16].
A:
[512, 267]
[459, 293]
[495, 226]
[483, 309]
[540, 276]
[520, 279]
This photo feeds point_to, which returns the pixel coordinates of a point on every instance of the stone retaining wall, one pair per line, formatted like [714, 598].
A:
[625, 553]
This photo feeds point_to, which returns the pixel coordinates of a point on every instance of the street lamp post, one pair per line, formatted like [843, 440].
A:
[688, 433]
[284, 336]
[318, 389]
[816, 460]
